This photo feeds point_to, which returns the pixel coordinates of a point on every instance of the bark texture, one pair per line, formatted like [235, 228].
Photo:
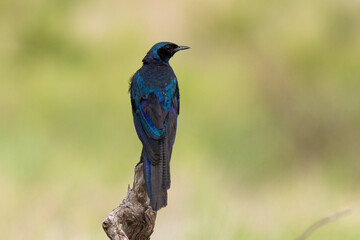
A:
[134, 217]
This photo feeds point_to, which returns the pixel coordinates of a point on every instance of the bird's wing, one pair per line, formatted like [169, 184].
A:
[150, 116]
[176, 99]
[153, 106]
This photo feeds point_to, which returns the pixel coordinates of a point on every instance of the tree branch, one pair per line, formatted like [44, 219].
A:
[134, 217]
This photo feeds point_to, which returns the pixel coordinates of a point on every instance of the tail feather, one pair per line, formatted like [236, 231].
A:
[147, 173]
[165, 164]
[158, 178]
[158, 194]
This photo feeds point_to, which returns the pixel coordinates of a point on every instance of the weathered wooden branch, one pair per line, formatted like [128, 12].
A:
[134, 217]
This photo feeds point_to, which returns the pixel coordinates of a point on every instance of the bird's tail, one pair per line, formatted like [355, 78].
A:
[158, 178]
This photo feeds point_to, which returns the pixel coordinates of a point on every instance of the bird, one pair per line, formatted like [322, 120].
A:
[155, 101]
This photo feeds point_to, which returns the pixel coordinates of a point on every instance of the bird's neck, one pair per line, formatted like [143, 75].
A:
[155, 61]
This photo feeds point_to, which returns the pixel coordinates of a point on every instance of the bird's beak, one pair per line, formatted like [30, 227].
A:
[181, 48]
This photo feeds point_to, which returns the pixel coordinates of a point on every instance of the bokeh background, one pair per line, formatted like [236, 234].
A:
[269, 129]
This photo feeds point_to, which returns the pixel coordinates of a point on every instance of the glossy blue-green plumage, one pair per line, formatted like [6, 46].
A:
[155, 99]
[160, 81]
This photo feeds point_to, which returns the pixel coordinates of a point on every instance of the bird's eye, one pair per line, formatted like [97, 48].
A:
[167, 47]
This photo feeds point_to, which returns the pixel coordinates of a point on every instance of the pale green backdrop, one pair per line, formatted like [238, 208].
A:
[269, 128]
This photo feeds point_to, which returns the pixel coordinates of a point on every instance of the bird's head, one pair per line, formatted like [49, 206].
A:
[163, 51]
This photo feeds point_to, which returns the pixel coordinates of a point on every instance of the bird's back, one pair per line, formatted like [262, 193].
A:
[157, 75]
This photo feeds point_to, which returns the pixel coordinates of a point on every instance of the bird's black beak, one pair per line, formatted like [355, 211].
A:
[181, 48]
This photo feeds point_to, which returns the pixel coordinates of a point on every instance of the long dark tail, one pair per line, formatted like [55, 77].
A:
[158, 177]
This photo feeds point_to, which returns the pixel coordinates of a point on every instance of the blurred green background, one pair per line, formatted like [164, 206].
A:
[268, 134]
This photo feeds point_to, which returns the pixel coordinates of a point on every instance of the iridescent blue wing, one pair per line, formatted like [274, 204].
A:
[152, 111]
